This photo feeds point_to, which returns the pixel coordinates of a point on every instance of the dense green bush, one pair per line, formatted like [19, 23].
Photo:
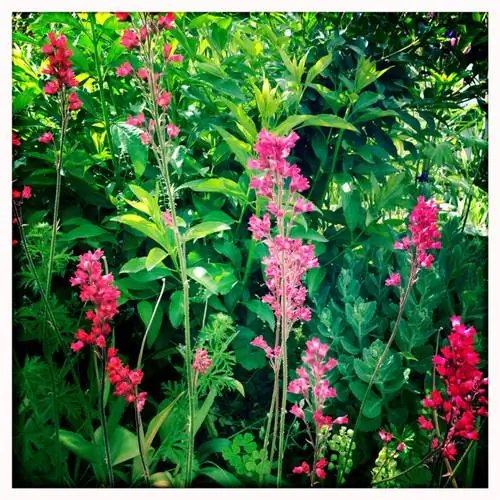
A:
[388, 107]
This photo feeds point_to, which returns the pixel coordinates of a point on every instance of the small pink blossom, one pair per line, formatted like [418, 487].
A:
[74, 102]
[393, 280]
[167, 21]
[130, 40]
[167, 218]
[125, 69]
[169, 54]
[46, 138]
[385, 436]
[297, 411]
[26, 193]
[172, 130]
[341, 420]
[202, 362]
[142, 73]
[146, 138]
[164, 99]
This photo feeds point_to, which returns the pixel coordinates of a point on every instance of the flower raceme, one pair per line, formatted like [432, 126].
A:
[314, 388]
[59, 64]
[202, 362]
[424, 231]
[125, 380]
[288, 259]
[97, 289]
[464, 399]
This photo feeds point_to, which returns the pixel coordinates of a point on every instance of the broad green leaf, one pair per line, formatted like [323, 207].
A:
[201, 413]
[216, 185]
[145, 227]
[262, 310]
[78, 445]
[126, 139]
[204, 229]
[354, 212]
[84, 231]
[155, 256]
[123, 444]
[318, 68]
[145, 310]
[366, 73]
[134, 265]
[315, 277]
[240, 149]
[221, 476]
[373, 405]
[176, 309]
[374, 114]
[299, 121]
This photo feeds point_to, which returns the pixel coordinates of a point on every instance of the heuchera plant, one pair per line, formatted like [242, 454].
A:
[313, 385]
[463, 401]
[287, 262]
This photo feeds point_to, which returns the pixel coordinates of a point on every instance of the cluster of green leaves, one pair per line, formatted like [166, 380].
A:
[386, 110]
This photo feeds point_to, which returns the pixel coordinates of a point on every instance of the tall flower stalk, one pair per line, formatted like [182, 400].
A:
[96, 288]
[285, 265]
[424, 236]
[158, 132]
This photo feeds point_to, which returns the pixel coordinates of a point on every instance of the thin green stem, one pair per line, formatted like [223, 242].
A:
[101, 380]
[418, 464]
[139, 359]
[140, 442]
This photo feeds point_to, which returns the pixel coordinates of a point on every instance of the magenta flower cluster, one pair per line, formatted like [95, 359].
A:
[97, 288]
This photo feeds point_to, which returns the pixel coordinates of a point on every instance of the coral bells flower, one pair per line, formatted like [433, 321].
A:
[16, 195]
[302, 469]
[202, 362]
[146, 138]
[385, 436]
[130, 40]
[271, 353]
[424, 231]
[97, 289]
[164, 99]
[142, 73]
[125, 69]
[125, 380]
[15, 140]
[137, 121]
[297, 411]
[260, 227]
[26, 194]
[169, 55]
[172, 130]
[46, 138]
[74, 102]
[59, 64]
[393, 280]
[167, 21]
[122, 16]
[312, 384]
[341, 420]
[464, 399]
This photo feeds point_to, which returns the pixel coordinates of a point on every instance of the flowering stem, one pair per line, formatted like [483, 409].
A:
[140, 440]
[101, 380]
[411, 281]
[436, 421]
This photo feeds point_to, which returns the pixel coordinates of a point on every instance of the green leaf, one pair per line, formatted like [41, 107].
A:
[127, 139]
[315, 277]
[366, 73]
[134, 265]
[176, 309]
[145, 227]
[263, 311]
[221, 476]
[374, 114]
[373, 405]
[145, 310]
[78, 445]
[155, 256]
[331, 121]
[204, 229]
[123, 444]
[85, 231]
[240, 149]
[201, 413]
[216, 185]
[318, 68]
[354, 213]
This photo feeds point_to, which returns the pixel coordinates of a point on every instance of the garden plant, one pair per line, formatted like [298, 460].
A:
[249, 249]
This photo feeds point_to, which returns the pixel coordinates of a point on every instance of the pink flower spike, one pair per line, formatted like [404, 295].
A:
[202, 362]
